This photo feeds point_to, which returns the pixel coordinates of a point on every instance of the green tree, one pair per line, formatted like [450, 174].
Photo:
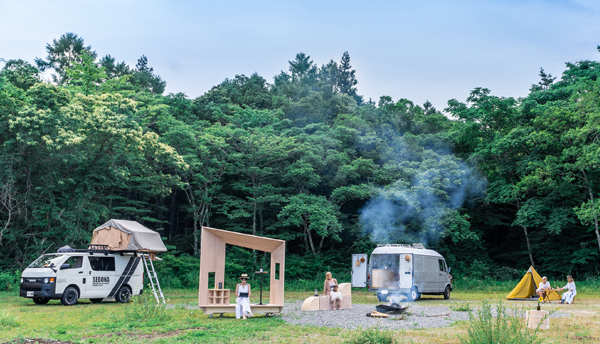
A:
[85, 75]
[20, 73]
[62, 53]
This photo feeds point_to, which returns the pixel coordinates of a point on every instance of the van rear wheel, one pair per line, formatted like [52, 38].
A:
[447, 292]
[40, 300]
[414, 294]
[70, 296]
[123, 295]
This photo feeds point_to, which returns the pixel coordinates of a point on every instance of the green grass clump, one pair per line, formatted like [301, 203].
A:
[8, 321]
[372, 336]
[505, 327]
[145, 309]
[463, 307]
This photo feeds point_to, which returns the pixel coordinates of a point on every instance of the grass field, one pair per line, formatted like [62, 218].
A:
[142, 322]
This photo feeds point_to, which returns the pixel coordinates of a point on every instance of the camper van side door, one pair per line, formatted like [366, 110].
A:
[101, 276]
[406, 271]
[359, 270]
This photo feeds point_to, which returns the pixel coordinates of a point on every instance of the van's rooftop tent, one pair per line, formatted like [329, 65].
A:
[123, 235]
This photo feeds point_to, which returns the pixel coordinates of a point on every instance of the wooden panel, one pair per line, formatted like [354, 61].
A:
[277, 285]
[246, 240]
[324, 303]
[256, 309]
[212, 259]
[311, 304]
[345, 289]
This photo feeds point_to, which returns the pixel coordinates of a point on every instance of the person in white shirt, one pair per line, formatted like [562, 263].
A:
[571, 291]
[543, 288]
[336, 298]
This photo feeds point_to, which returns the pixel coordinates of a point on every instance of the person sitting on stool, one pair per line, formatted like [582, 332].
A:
[568, 296]
[543, 288]
[336, 298]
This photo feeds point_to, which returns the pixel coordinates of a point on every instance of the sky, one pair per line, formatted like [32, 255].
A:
[433, 50]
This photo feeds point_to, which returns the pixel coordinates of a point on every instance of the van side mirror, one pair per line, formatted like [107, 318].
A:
[449, 269]
[65, 266]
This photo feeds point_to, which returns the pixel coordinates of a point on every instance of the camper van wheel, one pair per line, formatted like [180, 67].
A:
[124, 295]
[96, 300]
[70, 296]
[447, 292]
[40, 300]
[414, 294]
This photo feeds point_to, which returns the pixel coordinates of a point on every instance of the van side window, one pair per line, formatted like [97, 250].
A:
[102, 263]
[442, 265]
[73, 263]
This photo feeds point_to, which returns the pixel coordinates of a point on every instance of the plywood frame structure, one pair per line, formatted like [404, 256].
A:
[212, 260]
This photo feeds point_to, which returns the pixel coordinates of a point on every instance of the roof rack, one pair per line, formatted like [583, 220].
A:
[94, 248]
[415, 245]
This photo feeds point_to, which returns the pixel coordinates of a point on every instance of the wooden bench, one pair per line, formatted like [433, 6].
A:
[267, 309]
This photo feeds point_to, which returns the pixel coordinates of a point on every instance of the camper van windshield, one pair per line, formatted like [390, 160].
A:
[47, 261]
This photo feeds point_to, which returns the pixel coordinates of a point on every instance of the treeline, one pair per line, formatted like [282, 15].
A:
[499, 184]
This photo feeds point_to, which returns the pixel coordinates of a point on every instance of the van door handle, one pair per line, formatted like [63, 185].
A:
[80, 272]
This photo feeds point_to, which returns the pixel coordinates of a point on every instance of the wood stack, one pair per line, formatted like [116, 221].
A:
[376, 314]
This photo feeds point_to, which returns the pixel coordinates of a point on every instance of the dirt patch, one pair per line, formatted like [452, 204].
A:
[139, 335]
[36, 341]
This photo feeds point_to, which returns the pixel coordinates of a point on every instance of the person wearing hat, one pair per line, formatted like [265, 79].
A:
[242, 291]
[543, 289]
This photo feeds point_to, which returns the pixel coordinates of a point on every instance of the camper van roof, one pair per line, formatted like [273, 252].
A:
[404, 248]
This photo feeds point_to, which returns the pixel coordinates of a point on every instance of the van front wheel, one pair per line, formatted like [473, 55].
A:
[70, 296]
[447, 292]
[124, 295]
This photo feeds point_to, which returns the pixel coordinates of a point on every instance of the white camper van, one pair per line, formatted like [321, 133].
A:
[411, 270]
[111, 267]
[83, 274]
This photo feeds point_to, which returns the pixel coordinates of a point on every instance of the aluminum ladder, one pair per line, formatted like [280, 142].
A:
[153, 277]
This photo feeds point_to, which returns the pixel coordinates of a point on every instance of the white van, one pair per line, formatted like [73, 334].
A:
[83, 274]
[411, 270]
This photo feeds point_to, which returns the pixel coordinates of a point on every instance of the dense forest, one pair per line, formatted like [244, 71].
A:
[494, 183]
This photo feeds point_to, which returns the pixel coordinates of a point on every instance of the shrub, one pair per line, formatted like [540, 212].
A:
[463, 307]
[9, 280]
[505, 327]
[372, 336]
[145, 309]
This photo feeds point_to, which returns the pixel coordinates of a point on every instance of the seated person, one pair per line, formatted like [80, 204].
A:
[242, 291]
[571, 291]
[336, 298]
[543, 288]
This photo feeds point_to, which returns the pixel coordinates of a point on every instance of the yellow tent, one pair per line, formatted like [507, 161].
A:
[525, 290]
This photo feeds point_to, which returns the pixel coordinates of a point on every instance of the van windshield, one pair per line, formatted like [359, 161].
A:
[47, 261]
